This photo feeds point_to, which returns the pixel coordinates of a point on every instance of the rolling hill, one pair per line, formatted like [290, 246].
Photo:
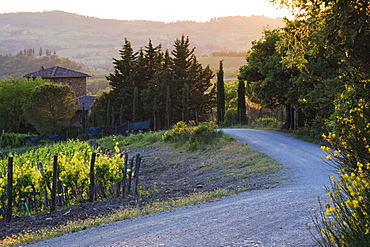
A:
[95, 42]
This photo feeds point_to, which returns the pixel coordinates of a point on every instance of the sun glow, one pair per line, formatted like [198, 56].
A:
[160, 10]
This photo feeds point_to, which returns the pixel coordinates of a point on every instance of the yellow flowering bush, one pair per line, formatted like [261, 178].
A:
[346, 220]
[350, 126]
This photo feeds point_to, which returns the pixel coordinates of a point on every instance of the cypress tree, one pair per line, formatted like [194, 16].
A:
[241, 103]
[168, 102]
[113, 119]
[220, 94]
[149, 68]
[185, 103]
[121, 114]
[135, 105]
[186, 69]
[107, 112]
[121, 79]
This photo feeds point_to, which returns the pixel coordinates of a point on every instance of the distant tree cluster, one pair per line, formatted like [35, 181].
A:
[165, 87]
[31, 52]
[228, 54]
[26, 62]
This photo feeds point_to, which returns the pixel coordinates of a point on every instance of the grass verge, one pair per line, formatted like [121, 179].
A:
[155, 207]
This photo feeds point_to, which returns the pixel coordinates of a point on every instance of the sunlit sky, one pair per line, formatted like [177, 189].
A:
[155, 10]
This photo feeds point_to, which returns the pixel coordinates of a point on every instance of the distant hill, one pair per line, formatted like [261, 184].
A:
[95, 42]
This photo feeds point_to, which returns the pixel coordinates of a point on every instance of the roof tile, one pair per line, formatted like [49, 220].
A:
[56, 72]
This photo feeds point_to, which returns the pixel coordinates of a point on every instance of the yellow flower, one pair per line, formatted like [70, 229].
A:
[324, 232]
[326, 149]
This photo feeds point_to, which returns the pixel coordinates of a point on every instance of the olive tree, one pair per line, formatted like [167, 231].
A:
[51, 107]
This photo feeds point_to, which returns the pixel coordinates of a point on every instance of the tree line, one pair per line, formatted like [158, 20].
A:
[163, 86]
[26, 62]
[30, 52]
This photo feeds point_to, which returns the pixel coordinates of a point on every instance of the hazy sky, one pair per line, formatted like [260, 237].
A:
[156, 10]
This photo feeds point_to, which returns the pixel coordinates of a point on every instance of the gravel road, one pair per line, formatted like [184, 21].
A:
[271, 217]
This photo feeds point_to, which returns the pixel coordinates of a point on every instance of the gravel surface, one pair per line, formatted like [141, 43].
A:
[270, 217]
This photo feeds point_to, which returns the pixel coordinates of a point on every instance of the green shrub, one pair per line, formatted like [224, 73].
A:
[138, 140]
[267, 122]
[13, 140]
[191, 135]
[231, 117]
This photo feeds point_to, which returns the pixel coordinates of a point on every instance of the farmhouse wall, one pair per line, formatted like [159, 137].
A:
[78, 84]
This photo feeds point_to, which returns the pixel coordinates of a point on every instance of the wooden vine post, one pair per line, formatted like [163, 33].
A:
[9, 208]
[124, 179]
[129, 174]
[92, 178]
[41, 168]
[136, 173]
[54, 188]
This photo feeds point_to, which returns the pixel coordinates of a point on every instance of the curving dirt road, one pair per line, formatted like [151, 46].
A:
[272, 217]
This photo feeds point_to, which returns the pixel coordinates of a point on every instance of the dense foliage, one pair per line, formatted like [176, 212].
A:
[14, 95]
[333, 36]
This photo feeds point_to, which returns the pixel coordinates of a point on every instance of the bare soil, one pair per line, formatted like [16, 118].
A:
[165, 173]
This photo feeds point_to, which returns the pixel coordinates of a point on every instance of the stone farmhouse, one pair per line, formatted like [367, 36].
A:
[77, 80]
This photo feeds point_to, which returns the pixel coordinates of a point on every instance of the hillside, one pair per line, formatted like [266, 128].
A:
[95, 42]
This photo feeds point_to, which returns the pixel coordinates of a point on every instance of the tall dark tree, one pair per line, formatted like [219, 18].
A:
[241, 103]
[181, 63]
[220, 94]
[186, 69]
[121, 79]
[168, 104]
[151, 90]
[165, 82]
[185, 103]
[135, 105]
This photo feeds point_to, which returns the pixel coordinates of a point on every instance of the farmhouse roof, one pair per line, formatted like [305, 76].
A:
[56, 72]
[85, 102]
